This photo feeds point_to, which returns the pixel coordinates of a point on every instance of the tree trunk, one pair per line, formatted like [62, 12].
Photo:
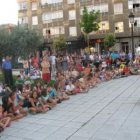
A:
[88, 42]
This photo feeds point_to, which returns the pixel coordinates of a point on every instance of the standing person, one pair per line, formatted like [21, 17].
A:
[130, 54]
[58, 63]
[25, 66]
[53, 64]
[122, 54]
[113, 54]
[65, 64]
[34, 59]
[45, 70]
[7, 69]
[49, 59]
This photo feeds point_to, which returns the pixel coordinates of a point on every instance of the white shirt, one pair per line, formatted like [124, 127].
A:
[1, 89]
[53, 59]
[91, 57]
[68, 87]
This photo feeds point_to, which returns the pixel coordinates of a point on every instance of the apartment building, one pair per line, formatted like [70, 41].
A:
[61, 17]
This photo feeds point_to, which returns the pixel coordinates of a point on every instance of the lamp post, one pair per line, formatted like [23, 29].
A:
[131, 19]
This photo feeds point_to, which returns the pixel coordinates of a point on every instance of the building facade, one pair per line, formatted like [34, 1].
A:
[61, 17]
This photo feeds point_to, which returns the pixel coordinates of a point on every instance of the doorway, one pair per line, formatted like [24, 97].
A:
[125, 47]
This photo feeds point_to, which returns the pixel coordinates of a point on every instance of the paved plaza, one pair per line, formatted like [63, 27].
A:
[110, 111]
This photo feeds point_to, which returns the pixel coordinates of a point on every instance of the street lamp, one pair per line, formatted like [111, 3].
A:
[131, 19]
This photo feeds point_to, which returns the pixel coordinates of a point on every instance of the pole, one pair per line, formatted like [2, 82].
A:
[133, 51]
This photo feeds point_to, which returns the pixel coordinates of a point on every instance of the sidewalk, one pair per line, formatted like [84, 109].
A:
[109, 112]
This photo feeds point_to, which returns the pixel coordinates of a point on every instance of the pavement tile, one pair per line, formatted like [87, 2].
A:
[11, 138]
[58, 123]
[66, 131]
[115, 122]
[56, 137]
[49, 129]
[43, 121]
[22, 133]
[104, 135]
[74, 125]
[19, 124]
[125, 136]
[29, 120]
[85, 133]
[34, 127]
[38, 136]
[9, 131]
[78, 138]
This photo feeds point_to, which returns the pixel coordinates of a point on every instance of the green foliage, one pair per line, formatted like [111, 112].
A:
[60, 43]
[2, 78]
[89, 21]
[52, 82]
[109, 40]
[20, 42]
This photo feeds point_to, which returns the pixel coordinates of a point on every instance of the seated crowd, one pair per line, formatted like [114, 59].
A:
[23, 98]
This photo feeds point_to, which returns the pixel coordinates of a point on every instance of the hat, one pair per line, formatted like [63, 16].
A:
[27, 83]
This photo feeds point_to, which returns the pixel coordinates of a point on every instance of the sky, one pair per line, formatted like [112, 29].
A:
[8, 11]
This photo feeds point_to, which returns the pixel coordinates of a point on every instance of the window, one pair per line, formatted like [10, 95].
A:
[34, 20]
[48, 17]
[104, 26]
[72, 31]
[136, 5]
[22, 5]
[72, 15]
[130, 4]
[104, 8]
[84, 0]
[52, 3]
[53, 31]
[118, 8]
[136, 24]
[71, 1]
[119, 27]
[34, 6]
[23, 20]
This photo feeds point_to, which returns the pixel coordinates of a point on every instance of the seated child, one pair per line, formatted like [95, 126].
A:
[74, 73]
[19, 81]
[132, 71]
[60, 93]
[38, 87]
[8, 105]
[4, 121]
[126, 71]
[17, 104]
[70, 89]
[33, 104]
[47, 100]
[22, 75]
[27, 88]
[78, 88]
[52, 94]
[87, 69]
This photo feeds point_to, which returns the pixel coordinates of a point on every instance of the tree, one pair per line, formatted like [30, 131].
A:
[60, 43]
[81, 43]
[4, 36]
[89, 22]
[109, 40]
[20, 41]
